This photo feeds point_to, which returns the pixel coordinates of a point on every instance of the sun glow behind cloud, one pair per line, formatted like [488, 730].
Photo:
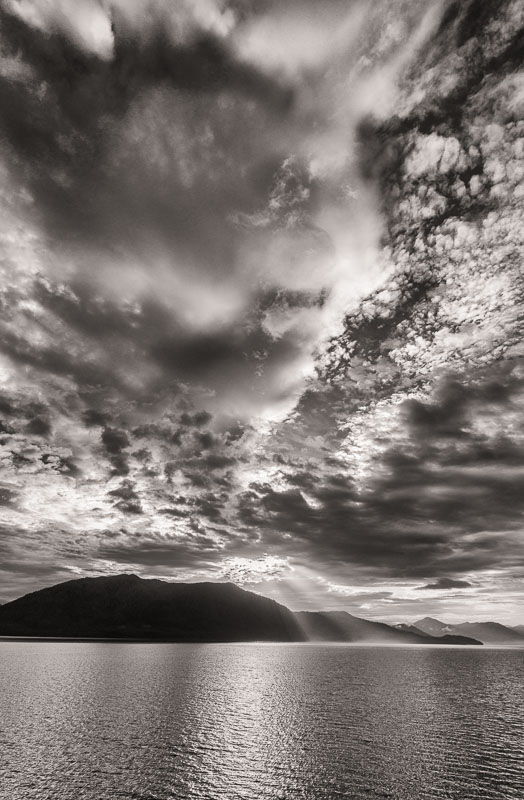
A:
[254, 570]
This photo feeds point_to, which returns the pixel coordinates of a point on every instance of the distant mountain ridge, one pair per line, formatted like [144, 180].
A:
[340, 626]
[129, 607]
[444, 638]
[486, 632]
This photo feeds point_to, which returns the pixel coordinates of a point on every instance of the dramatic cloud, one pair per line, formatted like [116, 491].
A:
[262, 298]
[447, 583]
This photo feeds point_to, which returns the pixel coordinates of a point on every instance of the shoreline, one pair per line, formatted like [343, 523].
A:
[114, 640]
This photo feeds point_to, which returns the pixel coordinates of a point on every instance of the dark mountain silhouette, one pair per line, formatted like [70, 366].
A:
[126, 606]
[129, 607]
[486, 632]
[339, 626]
[519, 629]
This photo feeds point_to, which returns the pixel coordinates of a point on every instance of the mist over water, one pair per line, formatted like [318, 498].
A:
[267, 722]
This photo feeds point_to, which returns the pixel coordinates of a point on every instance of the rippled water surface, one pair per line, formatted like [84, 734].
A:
[101, 721]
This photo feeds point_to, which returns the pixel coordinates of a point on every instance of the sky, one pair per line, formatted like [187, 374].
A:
[262, 300]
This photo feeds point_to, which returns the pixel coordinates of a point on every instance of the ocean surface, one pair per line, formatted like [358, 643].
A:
[316, 722]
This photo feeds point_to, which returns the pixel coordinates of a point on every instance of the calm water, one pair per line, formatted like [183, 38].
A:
[259, 722]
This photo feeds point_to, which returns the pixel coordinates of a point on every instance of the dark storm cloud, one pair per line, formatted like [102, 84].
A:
[153, 331]
[174, 512]
[210, 505]
[447, 415]
[64, 465]
[114, 440]
[436, 506]
[128, 500]
[18, 407]
[105, 184]
[95, 419]
[66, 137]
[120, 464]
[199, 552]
[126, 491]
[54, 360]
[197, 420]
[447, 583]
[8, 496]
[130, 507]
[348, 530]
[217, 461]
[87, 88]
[39, 426]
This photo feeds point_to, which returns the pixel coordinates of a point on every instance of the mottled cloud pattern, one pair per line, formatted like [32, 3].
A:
[262, 299]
